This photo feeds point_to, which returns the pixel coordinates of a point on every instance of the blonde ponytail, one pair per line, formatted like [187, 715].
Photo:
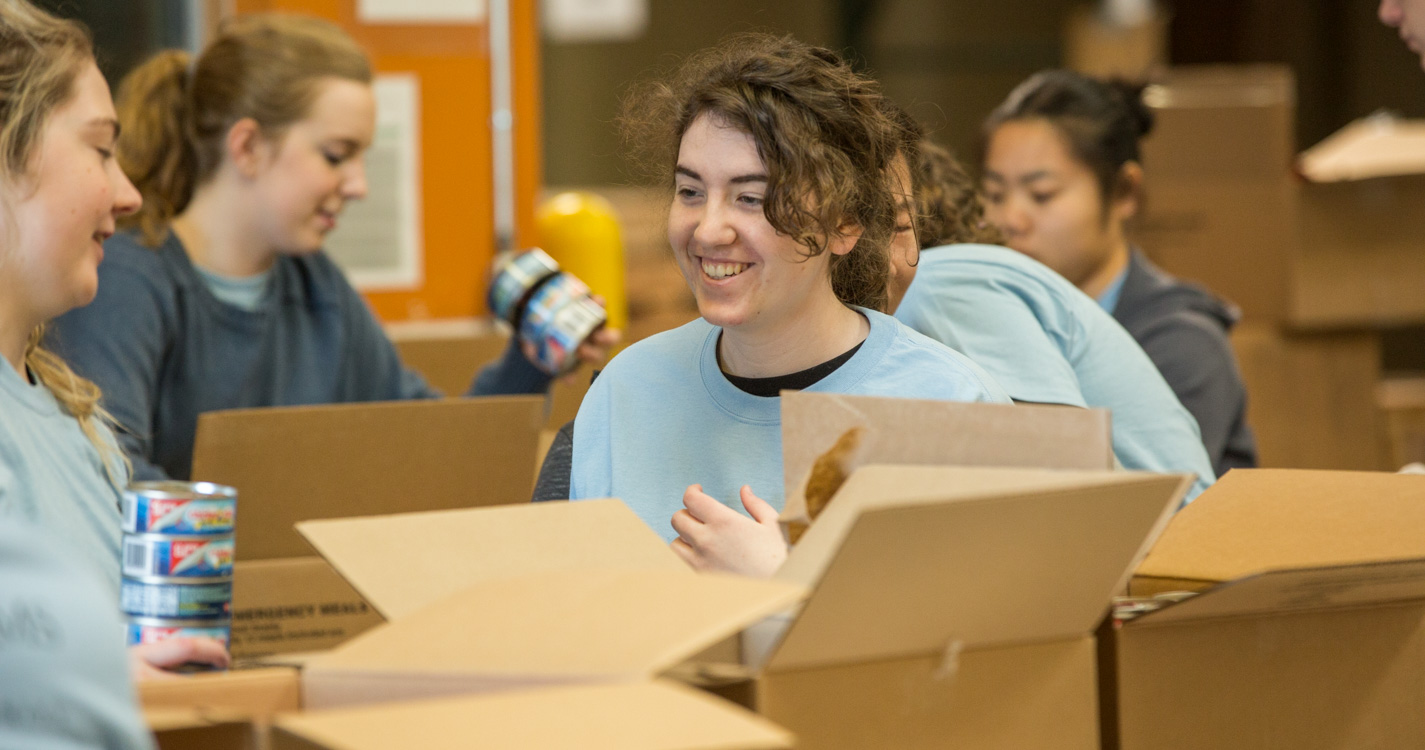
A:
[80, 398]
[156, 151]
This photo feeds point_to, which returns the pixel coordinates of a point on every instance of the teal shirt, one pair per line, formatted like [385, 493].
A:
[64, 678]
[1048, 342]
[662, 415]
[51, 477]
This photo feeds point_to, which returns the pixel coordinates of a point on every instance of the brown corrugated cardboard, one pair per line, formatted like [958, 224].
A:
[913, 431]
[293, 605]
[1363, 214]
[996, 576]
[189, 729]
[553, 628]
[250, 692]
[642, 716]
[993, 577]
[1221, 207]
[1310, 631]
[299, 463]
[404, 562]
[1097, 46]
[1311, 396]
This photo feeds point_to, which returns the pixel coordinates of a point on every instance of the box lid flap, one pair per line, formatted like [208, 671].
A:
[907, 560]
[403, 562]
[1254, 520]
[569, 625]
[292, 464]
[1276, 592]
[914, 431]
[640, 716]
[1377, 146]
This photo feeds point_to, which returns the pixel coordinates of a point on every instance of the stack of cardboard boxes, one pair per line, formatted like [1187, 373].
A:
[1318, 259]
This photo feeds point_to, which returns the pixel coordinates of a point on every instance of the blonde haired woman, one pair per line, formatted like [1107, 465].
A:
[220, 296]
[63, 679]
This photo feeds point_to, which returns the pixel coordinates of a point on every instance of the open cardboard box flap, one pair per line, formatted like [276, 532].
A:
[915, 431]
[1377, 146]
[566, 626]
[907, 560]
[641, 716]
[292, 464]
[401, 563]
[1254, 520]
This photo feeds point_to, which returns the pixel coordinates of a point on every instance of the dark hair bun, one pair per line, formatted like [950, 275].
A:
[1132, 94]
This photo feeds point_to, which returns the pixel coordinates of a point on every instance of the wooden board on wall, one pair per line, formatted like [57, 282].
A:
[453, 64]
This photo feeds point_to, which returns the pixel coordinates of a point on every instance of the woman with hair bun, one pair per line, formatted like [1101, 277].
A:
[1062, 176]
[218, 294]
[774, 153]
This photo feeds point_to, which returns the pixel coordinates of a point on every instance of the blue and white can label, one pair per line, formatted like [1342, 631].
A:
[149, 555]
[143, 630]
[167, 597]
[179, 508]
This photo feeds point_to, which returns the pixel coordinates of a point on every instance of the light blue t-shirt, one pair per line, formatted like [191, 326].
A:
[245, 293]
[51, 476]
[1109, 299]
[64, 677]
[662, 415]
[1047, 342]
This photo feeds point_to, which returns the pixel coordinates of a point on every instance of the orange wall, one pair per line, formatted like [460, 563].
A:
[453, 64]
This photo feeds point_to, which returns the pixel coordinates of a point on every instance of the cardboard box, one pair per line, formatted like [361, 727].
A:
[219, 710]
[1403, 401]
[189, 729]
[449, 353]
[296, 463]
[1221, 205]
[1311, 397]
[986, 585]
[640, 716]
[1326, 240]
[1097, 46]
[1363, 220]
[945, 433]
[1310, 628]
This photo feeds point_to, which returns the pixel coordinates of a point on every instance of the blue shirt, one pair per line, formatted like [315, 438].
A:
[52, 477]
[64, 677]
[1109, 299]
[1047, 342]
[663, 416]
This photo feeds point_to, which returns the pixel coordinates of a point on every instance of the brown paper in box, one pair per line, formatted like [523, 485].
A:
[914, 432]
[640, 716]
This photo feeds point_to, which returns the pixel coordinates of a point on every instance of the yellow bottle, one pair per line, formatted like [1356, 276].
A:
[581, 231]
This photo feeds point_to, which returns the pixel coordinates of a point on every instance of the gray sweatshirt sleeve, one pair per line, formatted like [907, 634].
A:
[553, 482]
[119, 341]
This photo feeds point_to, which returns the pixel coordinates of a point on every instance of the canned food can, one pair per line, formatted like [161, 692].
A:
[558, 318]
[179, 508]
[190, 556]
[156, 629]
[516, 274]
[194, 598]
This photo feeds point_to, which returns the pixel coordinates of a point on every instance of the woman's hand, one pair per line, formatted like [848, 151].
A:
[151, 661]
[712, 536]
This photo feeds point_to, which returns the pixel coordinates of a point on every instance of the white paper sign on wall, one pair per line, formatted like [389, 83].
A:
[420, 11]
[595, 20]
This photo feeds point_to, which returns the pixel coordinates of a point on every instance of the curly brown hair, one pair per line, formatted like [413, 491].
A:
[947, 201]
[821, 129]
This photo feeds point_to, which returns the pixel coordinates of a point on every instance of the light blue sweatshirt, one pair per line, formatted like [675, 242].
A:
[1047, 342]
[662, 415]
[51, 477]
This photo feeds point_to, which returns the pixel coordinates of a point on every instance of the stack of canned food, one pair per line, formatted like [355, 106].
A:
[178, 560]
[549, 309]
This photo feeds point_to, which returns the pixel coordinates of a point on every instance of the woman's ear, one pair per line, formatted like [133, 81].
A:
[1127, 192]
[247, 147]
[847, 235]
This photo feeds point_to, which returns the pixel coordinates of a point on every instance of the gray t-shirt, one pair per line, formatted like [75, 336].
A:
[52, 477]
[64, 680]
